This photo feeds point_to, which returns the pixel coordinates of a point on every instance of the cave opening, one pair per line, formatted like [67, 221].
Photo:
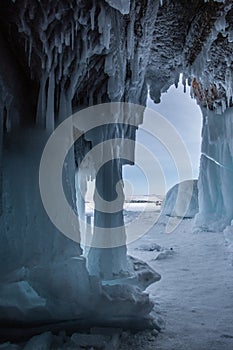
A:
[178, 107]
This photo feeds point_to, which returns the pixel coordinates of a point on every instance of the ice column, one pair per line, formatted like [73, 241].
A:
[111, 261]
[216, 171]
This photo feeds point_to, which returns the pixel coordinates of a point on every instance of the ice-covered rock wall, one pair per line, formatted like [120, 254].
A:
[195, 38]
[63, 56]
[211, 74]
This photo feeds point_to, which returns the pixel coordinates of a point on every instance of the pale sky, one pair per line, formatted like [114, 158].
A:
[185, 115]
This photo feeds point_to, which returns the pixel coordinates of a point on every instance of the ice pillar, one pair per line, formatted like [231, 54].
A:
[110, 260]
[216, 171]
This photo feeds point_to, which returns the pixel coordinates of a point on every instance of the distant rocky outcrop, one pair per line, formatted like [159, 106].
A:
[182, 200]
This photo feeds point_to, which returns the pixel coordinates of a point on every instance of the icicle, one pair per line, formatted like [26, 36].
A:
[8, 118]
[25, 45]
[43, 63]
[84, 50]
[30, 51]
[101, 20]
[49, 59]
[82, 18]
[67, 38]
[92, 13]
[184, 82]
[230, 36]
[62, 36]
[109, 66]
[31, 13]
[224, 107]
[76, 27]
[72, 35]
[60, 68]
[107, 33]
[60, 48]
[41, 103]
[56, 40]
[130, 38]
[228, 86]
[177, 79]
[50, 103]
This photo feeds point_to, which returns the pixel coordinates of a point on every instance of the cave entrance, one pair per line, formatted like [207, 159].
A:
[181, 110]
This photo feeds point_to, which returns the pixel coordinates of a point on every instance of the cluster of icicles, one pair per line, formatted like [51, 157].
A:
[71, 40]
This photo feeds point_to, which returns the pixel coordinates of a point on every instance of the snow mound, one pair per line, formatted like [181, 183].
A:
[182, 200]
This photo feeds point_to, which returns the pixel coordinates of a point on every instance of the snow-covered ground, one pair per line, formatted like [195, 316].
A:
[195, 294]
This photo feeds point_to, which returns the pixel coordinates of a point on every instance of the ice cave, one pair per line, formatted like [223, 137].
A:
[74, 82]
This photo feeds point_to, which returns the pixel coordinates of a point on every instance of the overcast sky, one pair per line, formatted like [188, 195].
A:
[182, 111]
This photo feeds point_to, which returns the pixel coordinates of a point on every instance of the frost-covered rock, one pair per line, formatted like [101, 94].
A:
[182, 200]
[144, 274]
[19, 301]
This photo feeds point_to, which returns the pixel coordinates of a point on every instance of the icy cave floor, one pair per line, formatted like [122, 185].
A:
[195, 294]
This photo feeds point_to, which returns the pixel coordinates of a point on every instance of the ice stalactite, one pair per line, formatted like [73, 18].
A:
[50, 103]
[76, 54]
[42, 101]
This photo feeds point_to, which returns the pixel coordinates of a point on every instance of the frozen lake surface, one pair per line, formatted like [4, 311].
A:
[195, 294]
